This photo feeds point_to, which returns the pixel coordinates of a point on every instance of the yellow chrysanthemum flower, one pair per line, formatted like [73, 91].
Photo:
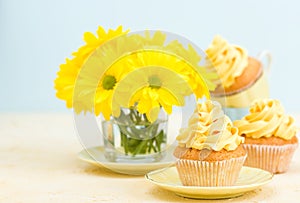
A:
[159, 79]
[175, 63]
[106, 88]
[68, 73]
[153, 87]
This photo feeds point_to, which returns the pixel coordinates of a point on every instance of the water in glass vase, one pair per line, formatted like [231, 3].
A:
[133, 138]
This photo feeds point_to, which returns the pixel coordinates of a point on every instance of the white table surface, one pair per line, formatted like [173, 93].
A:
[38, 163]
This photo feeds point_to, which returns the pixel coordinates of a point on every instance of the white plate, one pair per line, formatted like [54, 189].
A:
[95, 156]
[249, 179]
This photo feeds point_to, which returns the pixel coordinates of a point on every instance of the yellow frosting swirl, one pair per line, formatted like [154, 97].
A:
[229, 60]
[209, 128]
[266, 119]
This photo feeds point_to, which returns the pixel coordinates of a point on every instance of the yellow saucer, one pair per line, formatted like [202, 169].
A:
[95, 155]
[249, 179]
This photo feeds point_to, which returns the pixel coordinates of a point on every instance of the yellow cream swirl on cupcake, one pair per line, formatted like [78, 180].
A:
[270, 136]
[229, 60]
[287, 129]
[266, 119]
[209, 128]
[241, 77]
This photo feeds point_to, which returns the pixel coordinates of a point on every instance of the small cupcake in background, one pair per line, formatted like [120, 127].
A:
[270, 136]
[241, 77]
[209, 151]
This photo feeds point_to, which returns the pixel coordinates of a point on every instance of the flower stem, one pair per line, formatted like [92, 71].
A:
[140, 148]
[138, 135]
[124, 142]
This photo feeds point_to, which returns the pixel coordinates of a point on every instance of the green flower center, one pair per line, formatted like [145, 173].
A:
[154, 82]
[109, 82]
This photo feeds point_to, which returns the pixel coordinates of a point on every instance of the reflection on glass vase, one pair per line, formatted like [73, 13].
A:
[133, 138]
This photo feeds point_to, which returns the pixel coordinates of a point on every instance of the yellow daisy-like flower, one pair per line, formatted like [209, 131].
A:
[175, 63]
[149, 88]
[106, 88]
[67, 75]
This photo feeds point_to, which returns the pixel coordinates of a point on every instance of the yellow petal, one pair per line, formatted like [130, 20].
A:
[144, 105]
[89, 38]
[101, 32]
[168, 98]
[152, 115]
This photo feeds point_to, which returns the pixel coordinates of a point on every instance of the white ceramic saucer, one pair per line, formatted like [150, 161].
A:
[249, 179]
[95, 156]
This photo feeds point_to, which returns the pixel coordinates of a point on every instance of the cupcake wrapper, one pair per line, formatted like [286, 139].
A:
[203, 173]
[275, 159]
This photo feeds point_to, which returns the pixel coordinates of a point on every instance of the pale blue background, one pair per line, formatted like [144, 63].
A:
[37, 36]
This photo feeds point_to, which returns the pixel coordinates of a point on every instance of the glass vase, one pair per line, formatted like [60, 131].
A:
[133, 138]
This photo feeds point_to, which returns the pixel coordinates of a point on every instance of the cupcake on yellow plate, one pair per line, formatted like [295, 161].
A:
[209, 151]
[270, 136]
[241, 77]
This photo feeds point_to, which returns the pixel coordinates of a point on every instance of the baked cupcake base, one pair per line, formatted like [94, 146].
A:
[275, 159]
[272, 154]
[210, 174]
[249, 76]
[209, 168]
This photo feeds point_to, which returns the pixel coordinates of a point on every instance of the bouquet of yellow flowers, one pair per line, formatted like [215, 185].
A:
[130, 78]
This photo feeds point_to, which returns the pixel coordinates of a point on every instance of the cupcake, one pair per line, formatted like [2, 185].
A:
[209, 151]
[241, 77]
[270, 136]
